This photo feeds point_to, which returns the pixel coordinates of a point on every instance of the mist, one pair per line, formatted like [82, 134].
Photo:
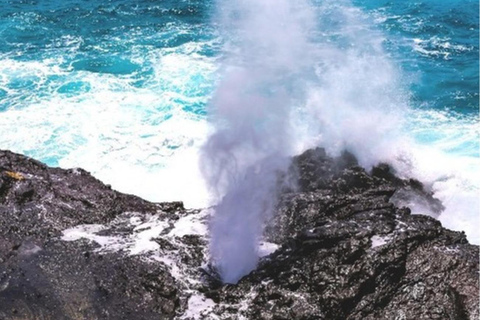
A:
[282, 92]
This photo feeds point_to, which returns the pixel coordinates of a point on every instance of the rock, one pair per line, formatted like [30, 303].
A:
[73, 248]
[43, 277]
[62, 280]
[349, 253]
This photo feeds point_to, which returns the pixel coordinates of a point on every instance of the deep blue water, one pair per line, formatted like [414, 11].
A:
[439, 41]
[436, 43]
[105, 37]
[122, 87]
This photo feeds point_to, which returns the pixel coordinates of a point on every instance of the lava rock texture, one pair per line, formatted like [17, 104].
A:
[73, 248]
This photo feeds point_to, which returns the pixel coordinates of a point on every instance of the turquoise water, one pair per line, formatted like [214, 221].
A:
[122, 88]
[435, 43]
[439, 41]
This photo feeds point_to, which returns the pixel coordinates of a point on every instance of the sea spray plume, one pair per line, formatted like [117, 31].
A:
[267, 52]
[358, 100]
[350, 98]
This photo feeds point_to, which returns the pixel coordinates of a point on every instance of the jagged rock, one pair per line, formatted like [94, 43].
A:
[72, 248]
[47, 200]
[349, 253]
[43, 277]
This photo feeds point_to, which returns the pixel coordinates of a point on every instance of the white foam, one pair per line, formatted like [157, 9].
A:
[145, 230]
[139, 140]
[267, 248]
[193, 224]
[138, 242]
[378, 241]
[175, 270]
[198, 307]
[441, 150]
[145, 233]
[89, 232]
[438, 47]
[454, 180]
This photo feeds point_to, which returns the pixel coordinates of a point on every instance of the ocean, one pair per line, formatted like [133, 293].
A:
[128, 89]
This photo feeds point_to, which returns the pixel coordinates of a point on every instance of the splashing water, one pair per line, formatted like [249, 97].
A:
[296, 76]
[251, 111]
[277, 83]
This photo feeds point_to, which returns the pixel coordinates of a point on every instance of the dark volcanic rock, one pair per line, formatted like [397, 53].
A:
[39, 201]
[43, 277]
[349, 253]
[64, 281]
[347, 250]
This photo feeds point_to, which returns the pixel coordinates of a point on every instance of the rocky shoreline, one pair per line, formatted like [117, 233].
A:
[341, 246]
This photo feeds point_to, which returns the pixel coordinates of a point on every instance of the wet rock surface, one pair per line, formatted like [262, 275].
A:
[44, 277]
[73, 248]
